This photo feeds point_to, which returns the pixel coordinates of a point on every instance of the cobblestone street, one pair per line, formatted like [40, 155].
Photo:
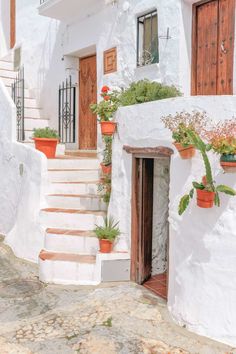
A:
[115, 318]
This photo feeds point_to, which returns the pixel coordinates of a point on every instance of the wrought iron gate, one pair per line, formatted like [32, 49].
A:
[18, 97]
[67, 104]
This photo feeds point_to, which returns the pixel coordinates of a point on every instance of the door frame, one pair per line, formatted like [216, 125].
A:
[78, 96]
[138, 153]
[194, 46]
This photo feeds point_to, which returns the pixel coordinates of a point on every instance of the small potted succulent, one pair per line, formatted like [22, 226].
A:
[222, 138]
[106, 109]
[179, 125]
[107, 156]
[46, 140]
[107, 234]
[207, 191]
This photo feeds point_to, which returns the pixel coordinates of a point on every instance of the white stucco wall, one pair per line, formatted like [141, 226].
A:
[202, 255]
[22, 175]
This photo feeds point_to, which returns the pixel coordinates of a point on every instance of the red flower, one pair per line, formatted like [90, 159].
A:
[106, 98]
[105, 89]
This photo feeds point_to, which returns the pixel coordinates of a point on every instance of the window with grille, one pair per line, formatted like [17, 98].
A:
[148, 48]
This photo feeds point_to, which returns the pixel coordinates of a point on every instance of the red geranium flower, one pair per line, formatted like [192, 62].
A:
[105, 89]
[106, 98]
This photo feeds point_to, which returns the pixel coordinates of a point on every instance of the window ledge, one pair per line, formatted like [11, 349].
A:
[151, 72]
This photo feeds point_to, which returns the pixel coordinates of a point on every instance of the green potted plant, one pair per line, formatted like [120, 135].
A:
[104, 188]
[180, 124]
[107, 234]
[107, 155]
[222, 138]
[207, 191]
[46, 140]
[106, 109]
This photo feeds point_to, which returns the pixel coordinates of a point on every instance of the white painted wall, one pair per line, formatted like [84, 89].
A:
[22, 175]
[4, 27]
[202, 252]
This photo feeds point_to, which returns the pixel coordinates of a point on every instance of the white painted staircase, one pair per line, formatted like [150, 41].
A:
[70, 248]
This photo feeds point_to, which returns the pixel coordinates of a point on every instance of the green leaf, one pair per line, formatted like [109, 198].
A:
[225, 189]
[208, 147]
[217, 199]
[184, 202]
[191, 193]
[198, 185]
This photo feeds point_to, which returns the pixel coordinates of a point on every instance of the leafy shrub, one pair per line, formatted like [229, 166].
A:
[110, 231]
[146, 91]
[46, 133]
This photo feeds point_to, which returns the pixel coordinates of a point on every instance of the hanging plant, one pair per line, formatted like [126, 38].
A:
[180, 124]
[208, 193]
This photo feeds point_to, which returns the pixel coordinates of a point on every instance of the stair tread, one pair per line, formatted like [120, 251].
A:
[77, 182]
[73, 211]
[71, 157]
[70, 232]
[66, 257]
[72, 169]
[75, 195]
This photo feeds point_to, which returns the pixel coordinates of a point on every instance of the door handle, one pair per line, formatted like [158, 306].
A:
[223, 49]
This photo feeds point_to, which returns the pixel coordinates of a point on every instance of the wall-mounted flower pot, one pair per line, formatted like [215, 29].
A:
[108, 128]
[185, 152]
[205, 199]
[228, 163]
[106, 169]
[106, 246]
[47, 146]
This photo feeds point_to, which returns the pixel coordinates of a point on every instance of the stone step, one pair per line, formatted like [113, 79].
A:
[62, 268]
[27, 92]
[73, 175]
[88, 187]
[7, 73]
[82, 153]
[71, 218]
[8, 81]
[6, 65]
[31, 103]
[34, 123]
[80, 201]
[70, 162]
[33, 113]
[71, 241]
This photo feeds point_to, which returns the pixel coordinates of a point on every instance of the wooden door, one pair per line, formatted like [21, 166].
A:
[12, 23]
[87, 95]
[142, 222]
[213, 47]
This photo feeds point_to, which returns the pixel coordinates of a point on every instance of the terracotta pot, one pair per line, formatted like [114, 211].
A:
[106, 246]
[228, 163]
[108, 128]
[106, 169]
[185, 152]
[47, 146]
[205, 199]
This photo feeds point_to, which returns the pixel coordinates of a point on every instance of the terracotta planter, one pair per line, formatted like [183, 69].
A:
[106, 169]
[185, 152]
[106, 246]
[47, 146]
[228, 163]
[205, 199]
[108, 128]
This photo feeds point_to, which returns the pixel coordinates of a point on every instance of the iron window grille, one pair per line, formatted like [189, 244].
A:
[18, 88]
[42, 1]
[147, 39]
[67, 111]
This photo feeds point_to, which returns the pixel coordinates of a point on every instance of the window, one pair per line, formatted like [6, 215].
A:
[148, 48]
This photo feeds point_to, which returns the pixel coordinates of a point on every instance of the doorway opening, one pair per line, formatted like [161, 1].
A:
[150, 226]
[213, 36]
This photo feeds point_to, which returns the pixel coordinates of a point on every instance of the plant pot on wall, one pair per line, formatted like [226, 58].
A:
[106, 169]
[228, 163]
[106, 246]
[185, 152]
[108, 128]
[46, 146]
[205, 199]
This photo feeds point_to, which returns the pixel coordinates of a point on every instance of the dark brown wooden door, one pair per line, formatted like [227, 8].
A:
[213, 47]
[87, 95]
[12, 23]
[142, 222]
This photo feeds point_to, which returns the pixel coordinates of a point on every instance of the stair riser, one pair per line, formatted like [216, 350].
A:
[6, 65]
[70, 221]
[33, 113]
[67, 188]
[75, 203]
[27, 94]
[7, 81]
[73, 176]
[73, 164]
[59, 272]
[31, 124]
[7, 73]
[71, 244]
[30, 103]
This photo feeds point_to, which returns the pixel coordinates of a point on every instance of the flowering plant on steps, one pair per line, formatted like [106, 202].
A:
[107, 234]
[207, 191]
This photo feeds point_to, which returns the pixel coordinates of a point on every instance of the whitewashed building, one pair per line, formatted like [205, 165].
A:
[50, 207]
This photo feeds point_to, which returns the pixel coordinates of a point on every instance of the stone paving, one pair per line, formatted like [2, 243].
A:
[110, 319]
